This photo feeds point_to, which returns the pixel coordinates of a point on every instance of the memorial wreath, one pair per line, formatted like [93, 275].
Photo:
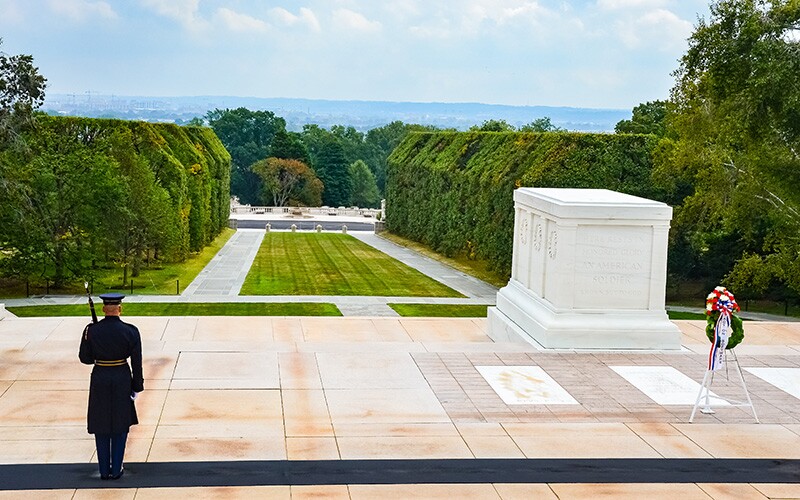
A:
[723, 328]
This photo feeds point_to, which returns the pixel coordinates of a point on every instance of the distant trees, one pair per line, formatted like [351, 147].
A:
[363, 188]
[288, 182]
[289, 146]
[332, 169]
[647, 118]
[493, 126]
[248, 136]
[543, 124]
[253, 136]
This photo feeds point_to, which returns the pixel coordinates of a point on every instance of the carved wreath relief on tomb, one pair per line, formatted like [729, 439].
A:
[523, 231]
[537, 237]
[552, 244]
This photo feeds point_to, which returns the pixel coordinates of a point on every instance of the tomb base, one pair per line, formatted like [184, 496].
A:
[520, 316]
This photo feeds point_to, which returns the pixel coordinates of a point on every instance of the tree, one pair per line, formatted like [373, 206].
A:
[21, 92]
[493, 126]
[540, 125]
[248, 136]
[288, 183]
[332, 169]
[363, 188]
[139, 218]
[62, 192]
[647, 118]
[733, 135]
[352, 142]
[289, 146]
[314, 137]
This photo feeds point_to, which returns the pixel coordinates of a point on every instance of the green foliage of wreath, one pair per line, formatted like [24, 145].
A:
[737, 329]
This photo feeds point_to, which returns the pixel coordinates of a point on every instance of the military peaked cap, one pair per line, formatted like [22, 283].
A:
[112, 299]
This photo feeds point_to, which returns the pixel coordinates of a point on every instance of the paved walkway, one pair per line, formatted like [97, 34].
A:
[225, 273]
[294, 408]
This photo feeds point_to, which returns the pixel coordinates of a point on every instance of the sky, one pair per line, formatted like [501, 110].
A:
[579, 53]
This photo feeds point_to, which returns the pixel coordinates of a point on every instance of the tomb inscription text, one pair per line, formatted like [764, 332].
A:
[612, 266]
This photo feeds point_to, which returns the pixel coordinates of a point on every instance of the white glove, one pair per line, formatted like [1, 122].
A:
[134, 395]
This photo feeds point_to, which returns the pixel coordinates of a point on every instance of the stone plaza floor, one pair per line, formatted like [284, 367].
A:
[350, 393]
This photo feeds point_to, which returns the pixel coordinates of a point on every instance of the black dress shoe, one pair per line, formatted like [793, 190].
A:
[117, 476]
[104, 477]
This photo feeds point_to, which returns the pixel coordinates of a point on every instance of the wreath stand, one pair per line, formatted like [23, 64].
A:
[708, 379]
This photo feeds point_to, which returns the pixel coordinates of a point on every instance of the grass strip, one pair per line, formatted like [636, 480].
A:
[188, 309]
[686, 315]
[333, 264]
[479, 311]
[440, 310]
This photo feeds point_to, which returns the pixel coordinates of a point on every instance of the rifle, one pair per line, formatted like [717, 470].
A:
[91, 303]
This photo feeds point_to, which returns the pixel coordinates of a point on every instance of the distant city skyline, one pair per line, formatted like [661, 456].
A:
[579, 53]
[363, 115]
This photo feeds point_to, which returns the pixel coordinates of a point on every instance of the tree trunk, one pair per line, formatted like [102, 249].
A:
[58, 256]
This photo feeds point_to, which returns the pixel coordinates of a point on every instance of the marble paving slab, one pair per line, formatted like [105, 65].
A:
[785, 379]
[525, 385]
[665, 385]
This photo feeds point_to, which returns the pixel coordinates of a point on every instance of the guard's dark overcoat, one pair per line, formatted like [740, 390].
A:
[111, 410]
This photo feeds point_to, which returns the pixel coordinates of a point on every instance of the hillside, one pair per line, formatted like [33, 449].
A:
[363, 115]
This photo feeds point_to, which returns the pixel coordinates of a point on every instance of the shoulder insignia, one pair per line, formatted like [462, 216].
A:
[86, 332]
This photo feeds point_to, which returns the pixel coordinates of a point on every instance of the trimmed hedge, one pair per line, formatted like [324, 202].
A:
[454, 191]
[190, 163]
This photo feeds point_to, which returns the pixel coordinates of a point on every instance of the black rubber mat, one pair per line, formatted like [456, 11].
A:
[327, 472]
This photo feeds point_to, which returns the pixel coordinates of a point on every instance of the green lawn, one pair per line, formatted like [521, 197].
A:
[440, 310]
[477, 311]
[333, 264]
[685, 315]
[187, 309]
[160, 279]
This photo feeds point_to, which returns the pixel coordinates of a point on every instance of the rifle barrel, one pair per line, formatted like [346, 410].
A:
[91, 302]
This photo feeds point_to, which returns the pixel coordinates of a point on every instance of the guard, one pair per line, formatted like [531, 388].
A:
[114, 386]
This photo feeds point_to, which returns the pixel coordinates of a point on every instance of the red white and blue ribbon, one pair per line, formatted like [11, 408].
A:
[722, 301]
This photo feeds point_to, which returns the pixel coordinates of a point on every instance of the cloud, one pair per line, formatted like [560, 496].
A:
[482, 17]
[242, 23]
[353, 21]
[304, 17]
[660, 28]
[505, 11]
[80, 10]
[629, 4]
[403, 9]
[186, 12]
[12, 13]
